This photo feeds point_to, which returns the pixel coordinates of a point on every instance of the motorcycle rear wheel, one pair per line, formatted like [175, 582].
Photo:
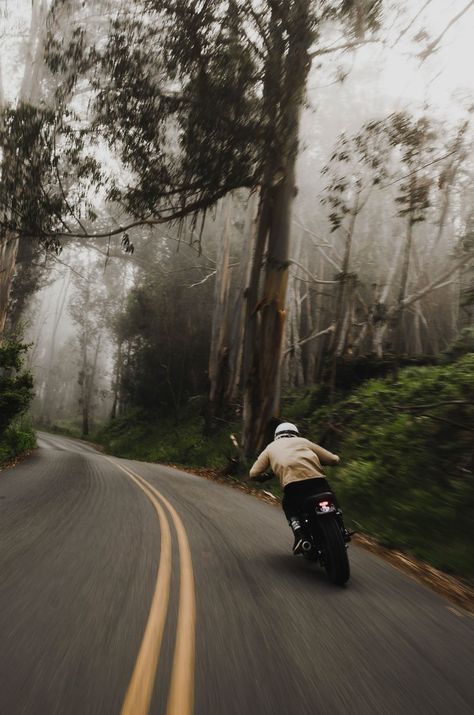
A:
[336, 561]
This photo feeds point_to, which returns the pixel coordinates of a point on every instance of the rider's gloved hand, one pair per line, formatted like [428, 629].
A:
[265, 476]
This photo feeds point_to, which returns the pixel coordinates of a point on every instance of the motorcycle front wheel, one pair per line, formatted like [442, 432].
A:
[336, 561]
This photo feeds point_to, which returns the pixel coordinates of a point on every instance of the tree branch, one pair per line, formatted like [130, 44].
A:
[433, 45]
[204, 280]
[344, 46]
[411, 23]
[439, 282]
[318, 246]
[331, 329]
[193, 208]
[319, 281]
[420, 168]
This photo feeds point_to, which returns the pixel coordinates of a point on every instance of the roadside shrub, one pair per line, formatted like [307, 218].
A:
[19, 437]
[408, 462]
[16, 384]
[68, 429]
[157, 438]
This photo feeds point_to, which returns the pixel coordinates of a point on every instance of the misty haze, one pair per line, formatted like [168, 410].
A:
[236, 357]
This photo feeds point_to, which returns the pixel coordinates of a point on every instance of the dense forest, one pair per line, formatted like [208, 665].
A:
[216, 214]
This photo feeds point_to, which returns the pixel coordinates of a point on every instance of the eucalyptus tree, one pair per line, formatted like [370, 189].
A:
[408, 172]
[356, 167]
[429, 158]
[193, 100]
[88, 314]
[278, 38]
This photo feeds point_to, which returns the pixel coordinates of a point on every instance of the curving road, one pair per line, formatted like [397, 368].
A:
[128, 588]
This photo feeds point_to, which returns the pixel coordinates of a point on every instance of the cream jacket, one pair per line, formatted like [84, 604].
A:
[293, 459]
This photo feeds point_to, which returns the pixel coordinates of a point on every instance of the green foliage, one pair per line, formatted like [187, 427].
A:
[351, 373]
[16, 385]
[300, 404]
[66, 428]
[361, 16]
[19, 437]
[179, 104]
[191, 96]
[155, 438]
[407, 448]
[165, 340]
[42, 157]
[408, 462]
[371, 152]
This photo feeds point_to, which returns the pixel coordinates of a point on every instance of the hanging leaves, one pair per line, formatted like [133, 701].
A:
[127, 246]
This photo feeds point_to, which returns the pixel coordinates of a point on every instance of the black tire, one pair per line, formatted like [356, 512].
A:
[335, 552]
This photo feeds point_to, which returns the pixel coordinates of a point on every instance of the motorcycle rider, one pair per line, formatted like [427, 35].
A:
[297, 464]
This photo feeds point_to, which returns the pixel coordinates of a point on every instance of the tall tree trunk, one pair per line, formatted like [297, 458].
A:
[378, 338]
[346, 335]
[8, 254]
[236, 318]
[397, 322]
[379, 311]
[219, 352]
[228, 324]
[266, 308]
[117, 381]
[58, 313]
[89, 373]
[345, 286]
[83, 383]
[292, 356]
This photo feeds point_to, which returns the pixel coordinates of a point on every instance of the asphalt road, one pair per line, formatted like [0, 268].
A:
[183, 597]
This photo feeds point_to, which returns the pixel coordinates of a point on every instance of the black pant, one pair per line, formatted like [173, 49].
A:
[295, 493]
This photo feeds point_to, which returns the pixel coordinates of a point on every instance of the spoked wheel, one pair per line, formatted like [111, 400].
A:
[336, 562]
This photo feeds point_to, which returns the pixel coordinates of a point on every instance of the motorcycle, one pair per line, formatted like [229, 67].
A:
[325, 537]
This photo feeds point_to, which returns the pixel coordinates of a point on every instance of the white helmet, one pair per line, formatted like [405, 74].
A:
[286, 429]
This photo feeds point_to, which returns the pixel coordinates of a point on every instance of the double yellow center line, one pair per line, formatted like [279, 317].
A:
[181, 691]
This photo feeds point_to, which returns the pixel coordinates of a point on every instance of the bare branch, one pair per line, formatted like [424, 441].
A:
[331, 329]
[319, 246]
[204, 280]
[420, 168]
[411, 23]
[300, 225]
[344, 46]
[439, 282]
[192, 208]
[434, 44]
[66, 265]
[319, 281]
